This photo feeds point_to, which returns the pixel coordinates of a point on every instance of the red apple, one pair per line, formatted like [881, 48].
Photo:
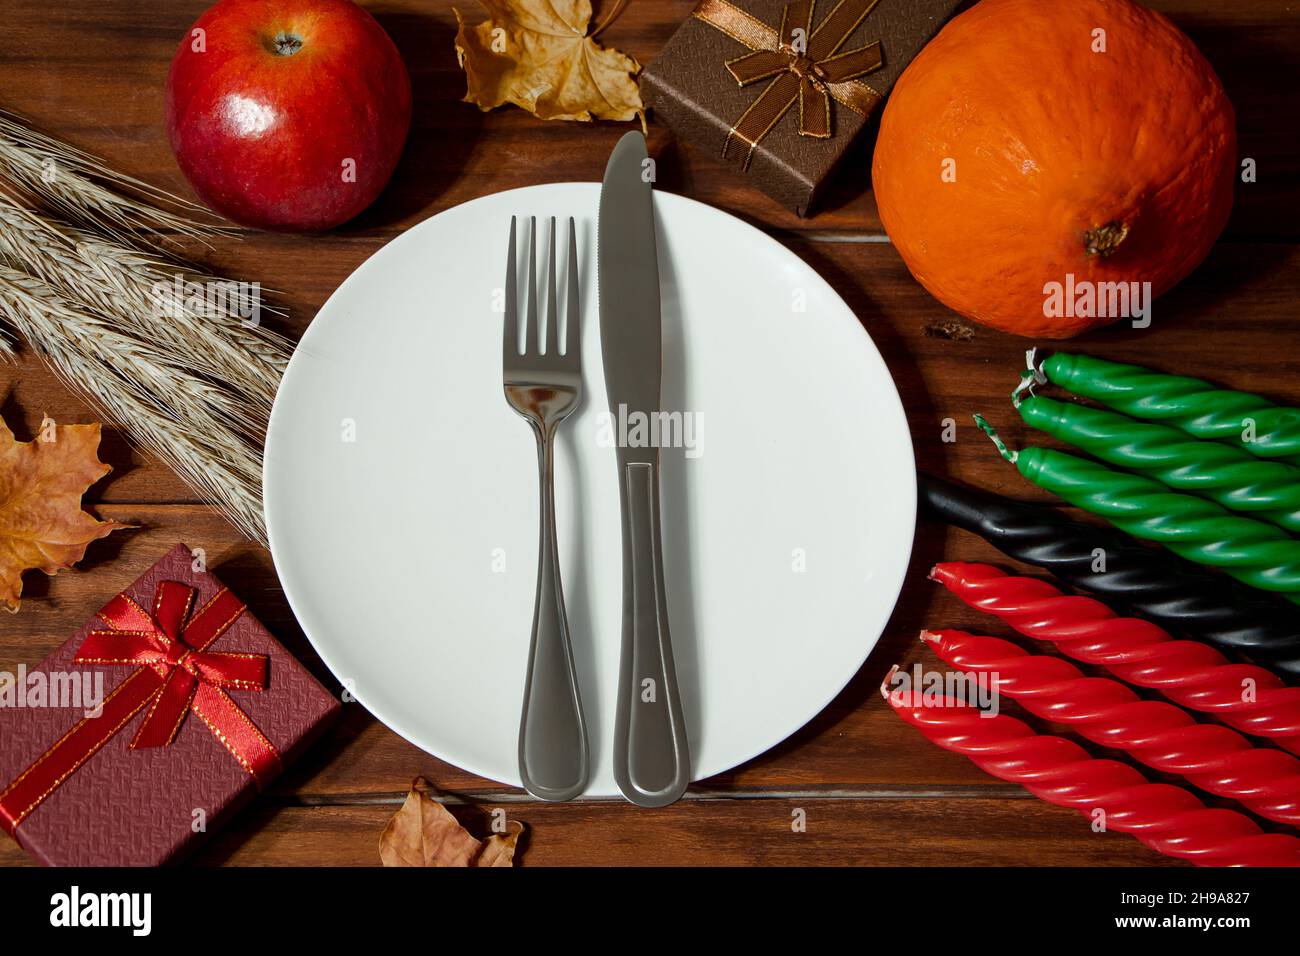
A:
[288, 114]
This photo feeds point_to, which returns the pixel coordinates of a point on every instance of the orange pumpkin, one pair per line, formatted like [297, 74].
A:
[1036, 149]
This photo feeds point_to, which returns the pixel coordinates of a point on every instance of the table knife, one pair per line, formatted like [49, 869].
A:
[651, 758]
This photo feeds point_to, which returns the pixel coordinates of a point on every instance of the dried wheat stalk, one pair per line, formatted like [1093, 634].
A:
[126, 382]
[81, 274]
[81, 188]
[119, 283]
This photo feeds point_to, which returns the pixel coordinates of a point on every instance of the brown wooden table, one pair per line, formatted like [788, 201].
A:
[873, 790]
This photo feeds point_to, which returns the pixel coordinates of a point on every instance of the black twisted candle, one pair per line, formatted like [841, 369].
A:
[1171, 592]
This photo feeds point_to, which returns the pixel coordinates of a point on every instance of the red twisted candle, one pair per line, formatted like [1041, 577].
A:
[1252, 699]
[1168, 819]
[1215, 758]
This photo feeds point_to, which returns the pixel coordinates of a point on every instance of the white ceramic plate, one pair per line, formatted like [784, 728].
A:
[401, 490]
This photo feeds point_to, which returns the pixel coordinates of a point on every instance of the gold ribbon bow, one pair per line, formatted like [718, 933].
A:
[803, 64]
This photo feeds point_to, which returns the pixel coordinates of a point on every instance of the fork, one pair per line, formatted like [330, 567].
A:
[544, 386]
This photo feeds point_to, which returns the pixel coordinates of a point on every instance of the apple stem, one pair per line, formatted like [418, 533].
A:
[287, 44]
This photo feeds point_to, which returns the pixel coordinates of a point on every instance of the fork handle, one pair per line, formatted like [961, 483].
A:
[651, 757]
[553, 757]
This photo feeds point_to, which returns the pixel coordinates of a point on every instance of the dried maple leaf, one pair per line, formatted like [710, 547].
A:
[537, 55]
[423, 833]
[41, 484]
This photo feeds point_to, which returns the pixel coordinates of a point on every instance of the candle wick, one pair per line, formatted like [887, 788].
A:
[1025, 387]
[889, 679]
[1035, 359]
[989, 430]
[1033, 375]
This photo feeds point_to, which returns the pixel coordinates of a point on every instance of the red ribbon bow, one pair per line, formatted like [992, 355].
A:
[175, 675]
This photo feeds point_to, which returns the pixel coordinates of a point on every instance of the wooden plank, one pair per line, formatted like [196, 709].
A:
[945, 368]
[725, 833]
[1242, 299]
[855, 745]
[854, 742]
[874, 790]
[61, 71]
[971, 831]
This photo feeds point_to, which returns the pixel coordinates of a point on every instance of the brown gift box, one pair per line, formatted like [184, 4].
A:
[690, 88]
[125, 807]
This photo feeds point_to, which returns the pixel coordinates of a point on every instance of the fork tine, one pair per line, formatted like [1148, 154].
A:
[552, 311]
[530, 313]
[572, 326]
[510, 333]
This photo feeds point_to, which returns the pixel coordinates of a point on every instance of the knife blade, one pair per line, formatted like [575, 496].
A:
[651, 756]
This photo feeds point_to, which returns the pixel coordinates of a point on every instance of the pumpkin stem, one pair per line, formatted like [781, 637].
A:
[1104, 240]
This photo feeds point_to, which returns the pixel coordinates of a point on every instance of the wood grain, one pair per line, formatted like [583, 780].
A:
[62, 67]
[1243, 297]
[874, 791]
[969, 829]
[855, 744]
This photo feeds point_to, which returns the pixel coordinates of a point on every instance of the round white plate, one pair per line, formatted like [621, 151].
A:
[401, 489]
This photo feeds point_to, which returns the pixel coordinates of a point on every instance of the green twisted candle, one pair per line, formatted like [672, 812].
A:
[1259, 554]
[1268, 490]
[1198, 408]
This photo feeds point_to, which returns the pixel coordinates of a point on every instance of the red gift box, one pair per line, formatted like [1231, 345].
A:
[200, 708]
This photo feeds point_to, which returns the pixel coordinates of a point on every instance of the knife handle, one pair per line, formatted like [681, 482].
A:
[651, 758]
